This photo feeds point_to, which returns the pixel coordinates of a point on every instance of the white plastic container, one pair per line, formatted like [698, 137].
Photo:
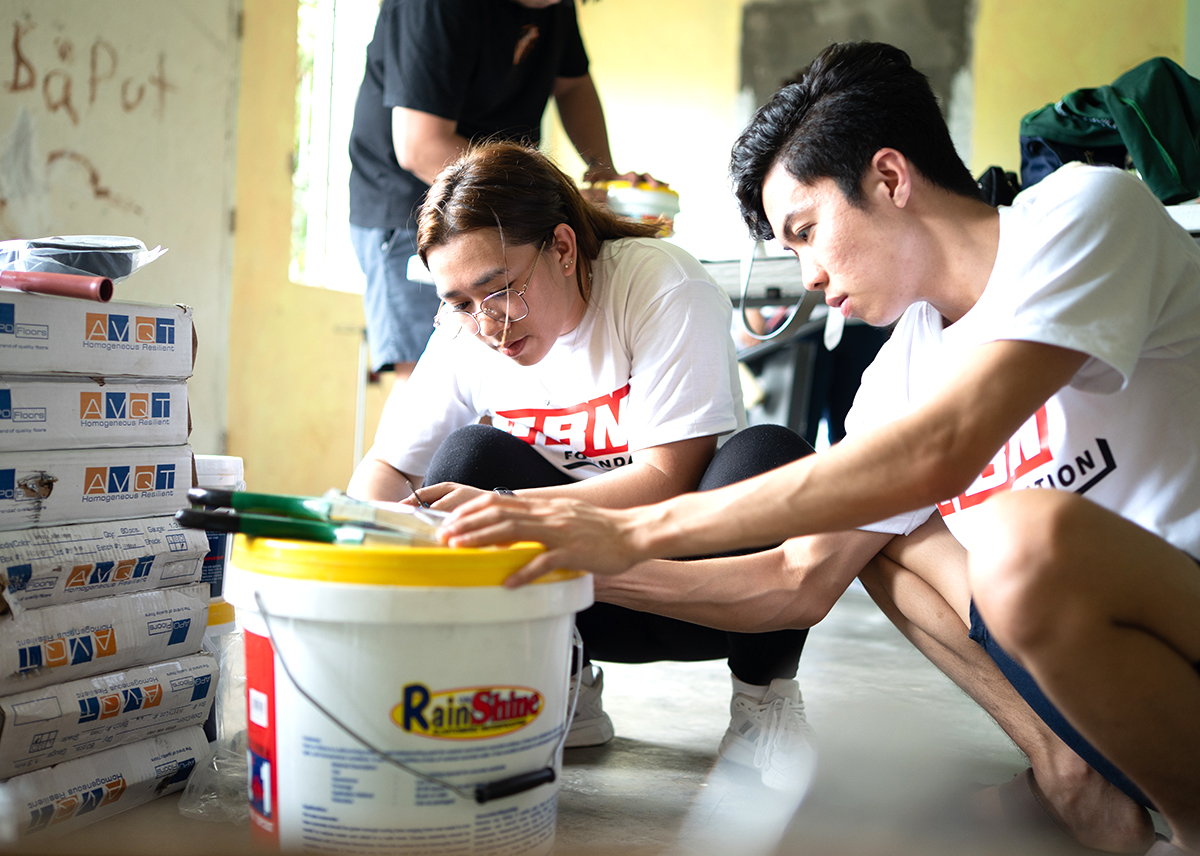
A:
[424, 654]
[219, 472]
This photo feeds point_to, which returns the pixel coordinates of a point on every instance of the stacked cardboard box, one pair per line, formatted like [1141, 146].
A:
[103, 681]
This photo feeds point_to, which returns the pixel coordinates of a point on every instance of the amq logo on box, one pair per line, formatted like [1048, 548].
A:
[105, 406]
[146, 329]
[126, 481]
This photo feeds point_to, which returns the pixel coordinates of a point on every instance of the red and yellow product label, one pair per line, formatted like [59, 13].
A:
[466, 713]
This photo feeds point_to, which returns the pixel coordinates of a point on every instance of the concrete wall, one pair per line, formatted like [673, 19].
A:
[117, 118]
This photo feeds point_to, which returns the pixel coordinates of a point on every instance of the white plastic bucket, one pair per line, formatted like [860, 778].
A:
[423, 655]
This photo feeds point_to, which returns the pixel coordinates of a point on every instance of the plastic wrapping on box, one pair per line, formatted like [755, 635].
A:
[113, 256]
[77, 640]
[219, 790]
[51, 565]
[76, 793]
[75, 719]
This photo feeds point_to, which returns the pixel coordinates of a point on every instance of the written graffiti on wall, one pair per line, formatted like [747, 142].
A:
[72, 77]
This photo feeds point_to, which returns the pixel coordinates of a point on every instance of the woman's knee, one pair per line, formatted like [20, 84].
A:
[754, 451]
[466, 452]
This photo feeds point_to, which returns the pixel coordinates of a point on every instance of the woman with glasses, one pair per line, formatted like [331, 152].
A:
[600, 363]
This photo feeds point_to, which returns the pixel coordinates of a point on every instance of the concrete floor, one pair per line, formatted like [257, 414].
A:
[895, 739]
[897, 742]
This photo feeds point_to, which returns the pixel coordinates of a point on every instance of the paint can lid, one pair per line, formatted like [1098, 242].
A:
[386, 565]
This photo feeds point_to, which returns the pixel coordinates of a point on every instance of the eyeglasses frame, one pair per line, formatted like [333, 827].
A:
[481, 311]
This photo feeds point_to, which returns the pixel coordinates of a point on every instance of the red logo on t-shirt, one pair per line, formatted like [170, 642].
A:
[1027, 450]
[593, 426]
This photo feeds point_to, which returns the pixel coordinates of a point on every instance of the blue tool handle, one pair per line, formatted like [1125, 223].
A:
[513, 785]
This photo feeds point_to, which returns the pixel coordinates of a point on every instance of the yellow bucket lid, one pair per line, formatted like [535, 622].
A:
[397, 566]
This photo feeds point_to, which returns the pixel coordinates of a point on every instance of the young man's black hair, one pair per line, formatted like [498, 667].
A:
[853, 100]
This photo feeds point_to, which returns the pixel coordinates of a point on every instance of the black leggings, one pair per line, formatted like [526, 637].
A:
[487, 458]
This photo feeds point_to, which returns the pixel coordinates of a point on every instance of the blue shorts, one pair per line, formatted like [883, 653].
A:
[1028, 689]
[399, 312]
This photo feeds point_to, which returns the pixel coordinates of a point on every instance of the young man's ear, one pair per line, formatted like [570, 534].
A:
[891, 176]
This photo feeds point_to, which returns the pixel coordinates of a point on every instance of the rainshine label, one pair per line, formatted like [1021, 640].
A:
[467, 713]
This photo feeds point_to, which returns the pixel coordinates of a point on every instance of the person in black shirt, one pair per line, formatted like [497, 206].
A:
[439, 74]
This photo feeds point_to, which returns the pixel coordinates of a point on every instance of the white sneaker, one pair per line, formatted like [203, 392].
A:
[591, 725]
[771, 736]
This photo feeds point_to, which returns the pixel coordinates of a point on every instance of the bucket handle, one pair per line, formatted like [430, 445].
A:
[482, 793]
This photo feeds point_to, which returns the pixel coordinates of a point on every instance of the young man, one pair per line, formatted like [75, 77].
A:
[1053, 344]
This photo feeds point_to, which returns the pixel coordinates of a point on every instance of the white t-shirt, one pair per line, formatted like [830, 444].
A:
[1088, 260]
[652, 362]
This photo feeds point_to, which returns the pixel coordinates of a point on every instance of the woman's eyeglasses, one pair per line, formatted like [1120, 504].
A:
[503, 307]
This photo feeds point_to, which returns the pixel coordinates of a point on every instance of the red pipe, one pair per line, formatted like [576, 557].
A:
[98, 288]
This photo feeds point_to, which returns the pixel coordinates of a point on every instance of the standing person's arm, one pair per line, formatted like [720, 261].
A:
[425, 143]
[425, 74]
[582, 117]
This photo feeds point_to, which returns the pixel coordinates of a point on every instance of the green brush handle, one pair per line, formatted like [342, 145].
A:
[299, 507]
[257, 525]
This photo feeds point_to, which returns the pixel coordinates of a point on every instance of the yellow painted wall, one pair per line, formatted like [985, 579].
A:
[1027, 55]
[668, 77]
[293, 350]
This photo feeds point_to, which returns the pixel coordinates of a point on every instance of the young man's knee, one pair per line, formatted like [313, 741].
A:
[1022, 573]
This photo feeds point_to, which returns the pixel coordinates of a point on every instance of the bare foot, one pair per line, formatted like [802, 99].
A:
[1095, 815]
[1091, 809]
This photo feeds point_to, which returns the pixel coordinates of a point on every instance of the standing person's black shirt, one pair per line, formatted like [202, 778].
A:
[488, 64]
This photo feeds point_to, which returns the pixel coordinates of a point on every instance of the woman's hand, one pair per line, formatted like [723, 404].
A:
[577, 536]
[444, 496]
